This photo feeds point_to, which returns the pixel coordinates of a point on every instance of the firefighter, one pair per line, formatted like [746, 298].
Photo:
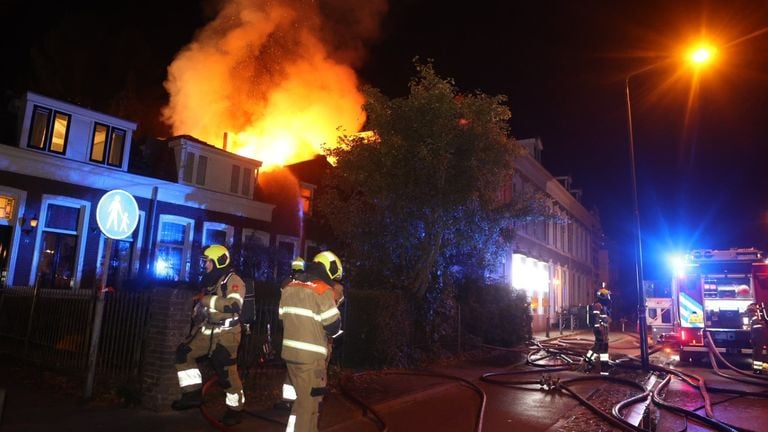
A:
[758, 326]
[309, 314]
[216, 334]
[288, 392]
[600, 319]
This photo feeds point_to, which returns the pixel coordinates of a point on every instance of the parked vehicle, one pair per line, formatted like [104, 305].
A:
[712, 289]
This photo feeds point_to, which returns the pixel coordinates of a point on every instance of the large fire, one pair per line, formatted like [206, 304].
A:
[268, 75]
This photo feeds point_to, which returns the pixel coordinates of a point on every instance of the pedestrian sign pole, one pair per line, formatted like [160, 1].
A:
[117, 215]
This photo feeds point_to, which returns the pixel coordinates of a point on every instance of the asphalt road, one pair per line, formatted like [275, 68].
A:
[448, 398]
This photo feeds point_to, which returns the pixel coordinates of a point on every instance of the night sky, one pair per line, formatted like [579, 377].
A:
[562, 65]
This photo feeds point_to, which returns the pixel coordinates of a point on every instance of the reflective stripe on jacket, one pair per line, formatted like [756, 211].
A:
[227, 301]
[308, 312]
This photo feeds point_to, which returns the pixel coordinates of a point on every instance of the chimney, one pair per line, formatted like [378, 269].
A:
[225, 142]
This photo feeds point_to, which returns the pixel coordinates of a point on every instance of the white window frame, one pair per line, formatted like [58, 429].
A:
[262, 235]
[219, 227]
[19, 209]
[288, 239]
[187, 248]
[82, 229]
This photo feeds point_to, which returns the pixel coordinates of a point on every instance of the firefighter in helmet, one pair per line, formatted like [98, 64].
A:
[288, 392]
[310, 315]
[758, 328]
[599, 318]
[215, 334]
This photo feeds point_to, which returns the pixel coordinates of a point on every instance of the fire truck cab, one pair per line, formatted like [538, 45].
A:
[713, 290]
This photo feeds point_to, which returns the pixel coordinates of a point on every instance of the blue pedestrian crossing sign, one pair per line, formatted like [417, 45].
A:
[117, 214]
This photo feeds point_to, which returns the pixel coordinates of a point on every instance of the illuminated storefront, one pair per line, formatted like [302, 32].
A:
[532, 276]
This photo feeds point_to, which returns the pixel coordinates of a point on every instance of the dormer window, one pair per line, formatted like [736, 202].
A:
[49, 131]
[107, 145]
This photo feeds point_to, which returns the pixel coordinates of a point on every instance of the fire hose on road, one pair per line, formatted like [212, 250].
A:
[547, 360]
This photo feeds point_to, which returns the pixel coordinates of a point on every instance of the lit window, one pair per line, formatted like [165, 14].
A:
[99, 146]
[49, 130]
[107, 145]
[117, 144]
[173, 248]
[60, 130]
[38, 133]
[6, 207]
[306, 199]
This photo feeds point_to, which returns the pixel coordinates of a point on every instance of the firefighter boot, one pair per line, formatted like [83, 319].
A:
[232, 417]
[192, 399]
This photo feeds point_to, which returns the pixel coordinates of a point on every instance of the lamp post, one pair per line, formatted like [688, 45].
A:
[697, 56]
[638, 237]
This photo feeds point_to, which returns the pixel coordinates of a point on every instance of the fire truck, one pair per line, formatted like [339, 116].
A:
[712, 290]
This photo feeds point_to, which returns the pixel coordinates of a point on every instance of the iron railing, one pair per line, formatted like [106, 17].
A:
[52, 328]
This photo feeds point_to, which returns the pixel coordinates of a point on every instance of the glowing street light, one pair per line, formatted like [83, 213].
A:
[699, 56]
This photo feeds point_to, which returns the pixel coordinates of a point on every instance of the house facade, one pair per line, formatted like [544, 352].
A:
[558, 261]
[67, 157]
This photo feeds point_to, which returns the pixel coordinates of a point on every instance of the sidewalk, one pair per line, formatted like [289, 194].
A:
[35, 402]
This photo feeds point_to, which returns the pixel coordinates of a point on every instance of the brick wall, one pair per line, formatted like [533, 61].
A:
[169, 324]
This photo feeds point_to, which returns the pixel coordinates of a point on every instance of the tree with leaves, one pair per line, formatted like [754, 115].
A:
[417, 199]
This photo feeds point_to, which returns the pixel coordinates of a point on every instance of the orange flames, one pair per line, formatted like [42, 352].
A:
[269, 76]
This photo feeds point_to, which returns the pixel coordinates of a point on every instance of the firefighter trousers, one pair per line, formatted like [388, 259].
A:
[220, 345]
[599, 350]
[309, 381]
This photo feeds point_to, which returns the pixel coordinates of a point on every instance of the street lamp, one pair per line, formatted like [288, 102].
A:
[701, 55]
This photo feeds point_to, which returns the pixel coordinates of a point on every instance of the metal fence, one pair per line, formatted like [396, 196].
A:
[52, 329]
[48, 327]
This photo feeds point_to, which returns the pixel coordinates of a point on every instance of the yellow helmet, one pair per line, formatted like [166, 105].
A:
[297, 264]
[331, 262]
[604, 293]
[218, 254]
